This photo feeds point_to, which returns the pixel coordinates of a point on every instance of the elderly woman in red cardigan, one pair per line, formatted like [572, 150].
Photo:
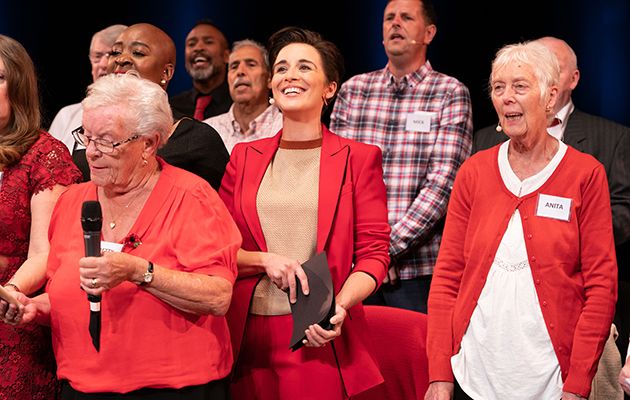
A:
[524, 289]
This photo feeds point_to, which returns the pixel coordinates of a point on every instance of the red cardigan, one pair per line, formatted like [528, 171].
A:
[573, 263]
[352, 228]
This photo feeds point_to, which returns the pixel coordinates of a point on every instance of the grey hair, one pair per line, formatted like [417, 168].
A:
[249, 42]
[542, 60]
[145, 103]
[108, 35]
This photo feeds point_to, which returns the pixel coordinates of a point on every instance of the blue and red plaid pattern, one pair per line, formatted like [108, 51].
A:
[418, 167]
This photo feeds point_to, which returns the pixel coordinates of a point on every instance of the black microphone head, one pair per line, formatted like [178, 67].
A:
[91, 216]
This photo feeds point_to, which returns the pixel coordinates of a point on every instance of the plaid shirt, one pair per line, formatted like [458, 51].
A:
[268, 123]
[418, 167]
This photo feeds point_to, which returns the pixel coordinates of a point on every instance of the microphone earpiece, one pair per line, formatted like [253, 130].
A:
[499, 128]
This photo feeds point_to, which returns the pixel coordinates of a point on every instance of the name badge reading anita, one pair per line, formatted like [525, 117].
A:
[553, 207]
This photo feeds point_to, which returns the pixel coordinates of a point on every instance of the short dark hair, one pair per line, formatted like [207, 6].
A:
[428, 11]
[332, 59]
[209, 22]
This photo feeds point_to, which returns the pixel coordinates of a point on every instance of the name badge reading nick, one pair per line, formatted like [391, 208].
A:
[553, 207]
[419, 121]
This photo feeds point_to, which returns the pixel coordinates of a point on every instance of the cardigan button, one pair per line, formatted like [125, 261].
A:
[533, 258]
[544, 303]
[525, 217]
[529, 236]
[537, 281]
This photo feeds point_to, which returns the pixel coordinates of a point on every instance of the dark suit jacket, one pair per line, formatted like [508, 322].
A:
[197, 148]
[607, 141]
[352, 228]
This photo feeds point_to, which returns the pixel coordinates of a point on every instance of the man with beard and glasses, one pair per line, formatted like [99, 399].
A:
[251, 116]
[206, 56]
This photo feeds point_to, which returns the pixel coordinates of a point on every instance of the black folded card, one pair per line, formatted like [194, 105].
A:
[319, 306]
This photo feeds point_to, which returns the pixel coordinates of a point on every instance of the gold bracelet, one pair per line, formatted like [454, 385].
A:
[14, 286]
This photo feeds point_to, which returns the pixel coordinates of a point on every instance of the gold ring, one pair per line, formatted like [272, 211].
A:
[93, 283]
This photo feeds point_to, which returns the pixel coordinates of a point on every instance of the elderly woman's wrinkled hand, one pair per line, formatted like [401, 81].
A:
[100, 274]
[283, 272]
[440, 391]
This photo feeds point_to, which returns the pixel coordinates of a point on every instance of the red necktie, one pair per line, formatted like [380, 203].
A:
[200, 107]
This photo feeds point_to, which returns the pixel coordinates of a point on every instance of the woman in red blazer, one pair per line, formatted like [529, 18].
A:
[295, 195]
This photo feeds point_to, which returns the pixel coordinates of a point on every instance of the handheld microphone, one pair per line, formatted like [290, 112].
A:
[92, 222]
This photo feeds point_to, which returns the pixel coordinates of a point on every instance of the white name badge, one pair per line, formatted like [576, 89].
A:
[111, 247]
[419, 121]
[553, 207]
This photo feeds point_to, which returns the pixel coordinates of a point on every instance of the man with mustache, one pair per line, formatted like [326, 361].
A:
[206, 55]
[251, 116]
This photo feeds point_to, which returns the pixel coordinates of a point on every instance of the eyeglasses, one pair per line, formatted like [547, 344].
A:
[104, 146]
[95, 58]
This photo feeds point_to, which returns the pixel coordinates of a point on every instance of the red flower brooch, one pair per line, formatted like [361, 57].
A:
[132, 240]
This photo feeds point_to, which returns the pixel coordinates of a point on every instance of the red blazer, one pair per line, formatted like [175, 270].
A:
[352, 228]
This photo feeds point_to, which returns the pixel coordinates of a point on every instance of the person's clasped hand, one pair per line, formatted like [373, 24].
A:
[12, 315]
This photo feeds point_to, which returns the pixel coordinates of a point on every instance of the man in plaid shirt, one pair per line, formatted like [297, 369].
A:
[422, 121]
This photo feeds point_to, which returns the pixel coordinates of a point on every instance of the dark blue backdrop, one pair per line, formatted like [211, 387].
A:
[598, 31]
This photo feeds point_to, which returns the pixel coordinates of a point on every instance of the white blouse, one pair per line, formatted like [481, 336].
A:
[506, 352]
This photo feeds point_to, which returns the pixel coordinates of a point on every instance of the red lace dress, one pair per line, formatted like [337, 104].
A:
[27, 365]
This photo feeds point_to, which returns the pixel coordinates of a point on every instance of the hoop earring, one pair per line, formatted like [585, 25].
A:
[325, 101]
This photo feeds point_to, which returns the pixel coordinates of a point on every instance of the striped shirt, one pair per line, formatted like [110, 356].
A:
[419, 160]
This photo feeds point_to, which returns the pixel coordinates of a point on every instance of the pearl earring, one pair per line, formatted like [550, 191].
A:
[271, 101]
[163, 82]
[499, 128]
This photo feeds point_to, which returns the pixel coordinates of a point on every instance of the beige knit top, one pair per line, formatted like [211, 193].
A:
[287, 208]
